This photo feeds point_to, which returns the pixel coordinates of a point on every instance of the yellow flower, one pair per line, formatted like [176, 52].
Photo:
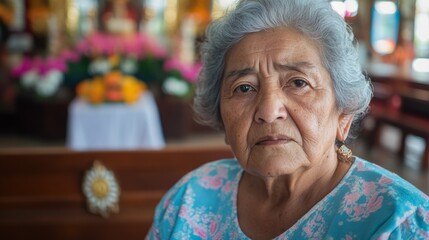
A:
[113, 78]
[113, 87]
[82, 89]
[96, 92]
[113, 84]
[131, 89]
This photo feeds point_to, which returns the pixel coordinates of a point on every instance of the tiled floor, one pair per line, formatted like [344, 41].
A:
[379, 156]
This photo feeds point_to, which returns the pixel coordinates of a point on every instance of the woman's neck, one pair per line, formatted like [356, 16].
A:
[307, 182]
[283, 200]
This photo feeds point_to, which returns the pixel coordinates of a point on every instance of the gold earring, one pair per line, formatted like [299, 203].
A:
[344, 153]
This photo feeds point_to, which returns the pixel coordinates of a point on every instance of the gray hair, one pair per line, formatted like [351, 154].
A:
[313, 18]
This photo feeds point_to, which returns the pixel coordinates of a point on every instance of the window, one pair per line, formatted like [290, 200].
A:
[384, 26]
[347, 8]
[421, 36]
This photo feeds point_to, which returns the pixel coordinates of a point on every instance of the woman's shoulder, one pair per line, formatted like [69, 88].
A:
[385, 195]
[375, 199]
[218, 167]
[209, 177]
[204, 193]
[401, 208]
[372, 173]
[210, 174]
[371, 176]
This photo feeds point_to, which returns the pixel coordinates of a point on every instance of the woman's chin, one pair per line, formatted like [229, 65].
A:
[276, 166]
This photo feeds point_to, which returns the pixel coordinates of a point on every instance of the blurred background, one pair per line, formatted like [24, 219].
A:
[120, 74]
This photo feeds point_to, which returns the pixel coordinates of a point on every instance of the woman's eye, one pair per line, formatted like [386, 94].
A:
[299, 83]
[244, 88]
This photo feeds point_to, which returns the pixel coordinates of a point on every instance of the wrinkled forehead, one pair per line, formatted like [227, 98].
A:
[280, 46]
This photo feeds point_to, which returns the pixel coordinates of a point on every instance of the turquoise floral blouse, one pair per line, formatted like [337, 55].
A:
[369, 203]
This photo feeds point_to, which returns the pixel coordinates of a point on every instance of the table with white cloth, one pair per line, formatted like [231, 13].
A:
[115, 125]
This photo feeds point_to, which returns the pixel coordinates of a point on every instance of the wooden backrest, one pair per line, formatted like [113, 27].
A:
[41, 193]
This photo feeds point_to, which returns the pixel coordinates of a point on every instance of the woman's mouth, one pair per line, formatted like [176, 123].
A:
[272, 140]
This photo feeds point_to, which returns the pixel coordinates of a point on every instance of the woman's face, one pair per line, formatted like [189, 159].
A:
[278, 104]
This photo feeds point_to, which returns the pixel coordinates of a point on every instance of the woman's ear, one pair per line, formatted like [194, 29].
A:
[344, 124]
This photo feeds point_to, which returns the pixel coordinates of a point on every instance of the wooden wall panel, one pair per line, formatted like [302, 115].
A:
[41, 196]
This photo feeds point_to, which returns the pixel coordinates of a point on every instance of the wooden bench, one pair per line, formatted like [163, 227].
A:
[408, 124]
[401, 101]
[41, 190]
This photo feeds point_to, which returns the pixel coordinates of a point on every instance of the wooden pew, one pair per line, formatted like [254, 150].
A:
[402, 102]
[41, 191]
[408, 124]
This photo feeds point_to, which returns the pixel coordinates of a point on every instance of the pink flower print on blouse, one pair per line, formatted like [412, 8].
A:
[361, 167]
[358, 211]
[384, 181]
[365, 199]
[227, 187]
[166, 203]
[351, 198]
[213, 226]
[183, 212]
[425, 215]
[384, 236]
[204, 225]
[190, 218]
[200, 232]
[369, 188]
[214, 178]
[210, 230]
[348, 237]
[312, 228]
[222, 172]
[374, 203]
[215, 231]
[211, 182]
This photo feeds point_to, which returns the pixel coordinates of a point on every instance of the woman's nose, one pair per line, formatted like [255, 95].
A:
[270, 107]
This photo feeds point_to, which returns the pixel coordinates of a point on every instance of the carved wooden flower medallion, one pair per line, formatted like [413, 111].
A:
[101, 190]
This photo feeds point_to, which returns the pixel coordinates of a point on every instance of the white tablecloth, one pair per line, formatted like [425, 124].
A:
[115, 125]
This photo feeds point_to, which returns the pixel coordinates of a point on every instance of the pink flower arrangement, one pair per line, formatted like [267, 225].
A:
[188, 72]
[105, 44]
[69, 56]
[43, 76]
[99, 53]
[40, 65]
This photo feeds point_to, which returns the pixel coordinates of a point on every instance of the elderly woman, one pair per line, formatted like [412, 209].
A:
[282, 79]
